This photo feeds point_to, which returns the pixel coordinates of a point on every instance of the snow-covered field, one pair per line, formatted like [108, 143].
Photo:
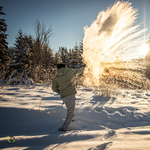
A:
[32, 115]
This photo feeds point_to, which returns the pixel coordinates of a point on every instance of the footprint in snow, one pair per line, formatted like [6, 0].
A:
[103, 146]
[110, 134]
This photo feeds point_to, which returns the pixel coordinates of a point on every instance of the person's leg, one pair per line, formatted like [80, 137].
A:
[70, 104]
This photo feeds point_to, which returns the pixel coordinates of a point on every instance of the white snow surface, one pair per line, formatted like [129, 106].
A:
[32, 115]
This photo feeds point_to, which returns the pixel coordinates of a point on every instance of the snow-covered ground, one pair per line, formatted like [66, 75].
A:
[32, 115]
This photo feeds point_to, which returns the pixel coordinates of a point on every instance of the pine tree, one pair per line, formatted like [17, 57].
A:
[81, 47]
[4, 55]
[23, 53]
[80, 54]
[20, 50]
[12, 55]
[57, 58]
[76, 56]
[70, 59]
[48, 58]
[63, 52]
[29, 54]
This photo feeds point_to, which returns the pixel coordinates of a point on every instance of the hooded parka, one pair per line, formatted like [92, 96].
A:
[64, 83]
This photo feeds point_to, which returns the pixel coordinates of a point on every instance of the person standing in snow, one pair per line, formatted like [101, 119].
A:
[64, 84]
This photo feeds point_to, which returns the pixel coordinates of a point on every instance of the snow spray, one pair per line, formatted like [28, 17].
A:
[114, 34]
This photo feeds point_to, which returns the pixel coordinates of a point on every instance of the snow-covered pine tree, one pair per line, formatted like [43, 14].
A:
[29, 54]
[76, 57]
[4, 55]
[12, 55]
[70, 55]
[20, 51]
[63, 52]
[48, 58]
[80, 54]
[57, 58]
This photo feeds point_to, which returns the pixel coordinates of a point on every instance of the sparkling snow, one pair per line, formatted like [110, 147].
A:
[32, 115]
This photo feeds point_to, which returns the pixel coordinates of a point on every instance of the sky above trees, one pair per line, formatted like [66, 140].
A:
[67, 18]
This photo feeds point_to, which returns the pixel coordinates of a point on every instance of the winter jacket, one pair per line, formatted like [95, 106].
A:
[64, 83]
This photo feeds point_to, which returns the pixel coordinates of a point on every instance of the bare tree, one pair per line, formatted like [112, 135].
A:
[43, 57]
[42, 34]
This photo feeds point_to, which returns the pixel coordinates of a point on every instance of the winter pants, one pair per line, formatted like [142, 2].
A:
[70, 104]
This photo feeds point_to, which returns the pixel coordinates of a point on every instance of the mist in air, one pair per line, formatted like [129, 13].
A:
[113, 34]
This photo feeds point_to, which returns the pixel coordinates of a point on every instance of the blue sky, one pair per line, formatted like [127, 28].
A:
[67, 17]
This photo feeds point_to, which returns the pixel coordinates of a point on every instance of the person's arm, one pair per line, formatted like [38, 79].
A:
[55, 87]
[79, 71]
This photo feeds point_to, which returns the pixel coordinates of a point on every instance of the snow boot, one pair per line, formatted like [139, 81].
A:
[61, 129]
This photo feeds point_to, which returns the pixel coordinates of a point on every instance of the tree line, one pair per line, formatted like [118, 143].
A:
[32, 56]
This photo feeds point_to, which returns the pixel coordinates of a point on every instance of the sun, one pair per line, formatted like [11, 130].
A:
[144, 49]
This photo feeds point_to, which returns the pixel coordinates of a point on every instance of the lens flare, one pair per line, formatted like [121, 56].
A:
[113, 34]
[143, 50]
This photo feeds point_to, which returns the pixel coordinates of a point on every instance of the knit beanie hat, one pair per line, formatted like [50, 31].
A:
[61, 66]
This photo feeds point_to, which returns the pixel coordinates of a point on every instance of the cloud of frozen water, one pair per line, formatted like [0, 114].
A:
[113, 34]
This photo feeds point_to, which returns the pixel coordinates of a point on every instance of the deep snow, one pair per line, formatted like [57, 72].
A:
[32, 115]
